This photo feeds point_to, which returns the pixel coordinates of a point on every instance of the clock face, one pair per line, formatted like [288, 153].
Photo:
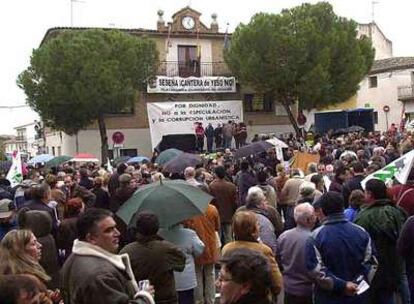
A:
[188, 22]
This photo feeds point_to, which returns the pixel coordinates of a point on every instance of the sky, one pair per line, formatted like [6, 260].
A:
[23, 24]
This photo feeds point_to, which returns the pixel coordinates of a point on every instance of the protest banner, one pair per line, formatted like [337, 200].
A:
[180, 117]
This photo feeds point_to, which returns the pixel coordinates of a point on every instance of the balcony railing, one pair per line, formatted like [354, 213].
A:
[193, 68]
[21, 138]
[406, 92]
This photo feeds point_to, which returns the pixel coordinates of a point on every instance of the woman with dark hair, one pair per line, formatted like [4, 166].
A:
[244, 278]
[246, 234]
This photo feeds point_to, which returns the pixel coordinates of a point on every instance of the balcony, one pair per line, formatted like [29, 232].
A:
[21, 138]
[192, 68]
[406, 93]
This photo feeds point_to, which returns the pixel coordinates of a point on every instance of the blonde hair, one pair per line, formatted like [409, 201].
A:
[13, 256]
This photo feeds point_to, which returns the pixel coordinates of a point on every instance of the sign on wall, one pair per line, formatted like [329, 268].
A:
[177, 85]
[179, 117]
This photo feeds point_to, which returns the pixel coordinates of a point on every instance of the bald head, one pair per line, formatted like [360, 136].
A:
[304, 215]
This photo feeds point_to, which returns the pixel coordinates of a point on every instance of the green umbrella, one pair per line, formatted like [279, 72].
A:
[58, 160]
[171, 200]
[166, 155]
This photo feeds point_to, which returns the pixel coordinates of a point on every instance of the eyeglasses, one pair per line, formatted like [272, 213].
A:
[221, 278]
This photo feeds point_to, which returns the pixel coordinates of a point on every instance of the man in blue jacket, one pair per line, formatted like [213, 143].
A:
[339, 255]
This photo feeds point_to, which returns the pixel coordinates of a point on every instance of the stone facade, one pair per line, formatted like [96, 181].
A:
[168, 37]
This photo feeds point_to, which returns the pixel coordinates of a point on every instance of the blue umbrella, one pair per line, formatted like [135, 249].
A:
[42, 158]
[137, 159]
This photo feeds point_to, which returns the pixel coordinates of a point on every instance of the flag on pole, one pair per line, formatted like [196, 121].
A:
[15, 175]
[226, 38]
[168, 43]
[198, 44]
[399, 169]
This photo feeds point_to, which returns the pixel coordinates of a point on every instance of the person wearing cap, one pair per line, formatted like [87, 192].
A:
[339, 255]
[8, 220]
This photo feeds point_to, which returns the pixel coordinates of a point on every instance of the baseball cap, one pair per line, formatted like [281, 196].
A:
[6, 208]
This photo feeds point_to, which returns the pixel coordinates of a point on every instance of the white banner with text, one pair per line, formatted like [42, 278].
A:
[180, 117]
[177, 85]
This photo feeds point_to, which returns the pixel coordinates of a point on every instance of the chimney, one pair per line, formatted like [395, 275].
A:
[214, 25]
[160, 23]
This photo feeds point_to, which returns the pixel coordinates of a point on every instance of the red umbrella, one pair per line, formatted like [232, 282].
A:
[85, 157]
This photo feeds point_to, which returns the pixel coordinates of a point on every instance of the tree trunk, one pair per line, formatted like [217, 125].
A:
[104, 138]
[292, 119]
[77, 142]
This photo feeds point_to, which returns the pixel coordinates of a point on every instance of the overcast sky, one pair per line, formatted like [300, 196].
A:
[23, 24]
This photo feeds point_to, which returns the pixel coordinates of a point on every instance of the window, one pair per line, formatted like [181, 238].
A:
[375, 117]
[373, 81]
[128, 109]
[53, 151]
[129, 152]
[258, 103]
[59, 150]
[248, 102]
[188, 61]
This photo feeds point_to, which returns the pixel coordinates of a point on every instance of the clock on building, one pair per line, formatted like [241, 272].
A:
[188, 22]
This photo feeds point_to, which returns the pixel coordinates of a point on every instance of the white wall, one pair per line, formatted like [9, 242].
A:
[90, 141]
[386, 93]
[383, 46]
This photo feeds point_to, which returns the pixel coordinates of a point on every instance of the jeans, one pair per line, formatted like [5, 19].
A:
[404, 289]
[210, 144]
[205, 291]
[227, 142]
[186, 296]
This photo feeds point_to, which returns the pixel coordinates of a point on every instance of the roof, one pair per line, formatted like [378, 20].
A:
[392, 64]
[187, 8]
[52, 32]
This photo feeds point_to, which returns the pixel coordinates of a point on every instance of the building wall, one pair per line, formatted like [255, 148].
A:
[383, 46]
[386, 93]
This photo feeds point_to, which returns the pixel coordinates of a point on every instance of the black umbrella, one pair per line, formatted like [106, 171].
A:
[252, 149]
[340, 132]
[355, 129]
[182, 161]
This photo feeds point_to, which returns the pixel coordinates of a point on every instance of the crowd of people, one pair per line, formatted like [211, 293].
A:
[271, 231]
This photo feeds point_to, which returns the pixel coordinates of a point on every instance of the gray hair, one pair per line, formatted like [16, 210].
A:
[303, 212]
[189, 172]
[255, 196]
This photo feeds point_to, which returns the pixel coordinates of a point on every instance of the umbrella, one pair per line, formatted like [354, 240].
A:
[166, 155]
[138, 159]
[182, 161]
[355, 129]
[57, 161]
[120, 159]
[171, 200]
[85, 157]
[254, 148]
[277, 142]
[42, 158]
[340, 132]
